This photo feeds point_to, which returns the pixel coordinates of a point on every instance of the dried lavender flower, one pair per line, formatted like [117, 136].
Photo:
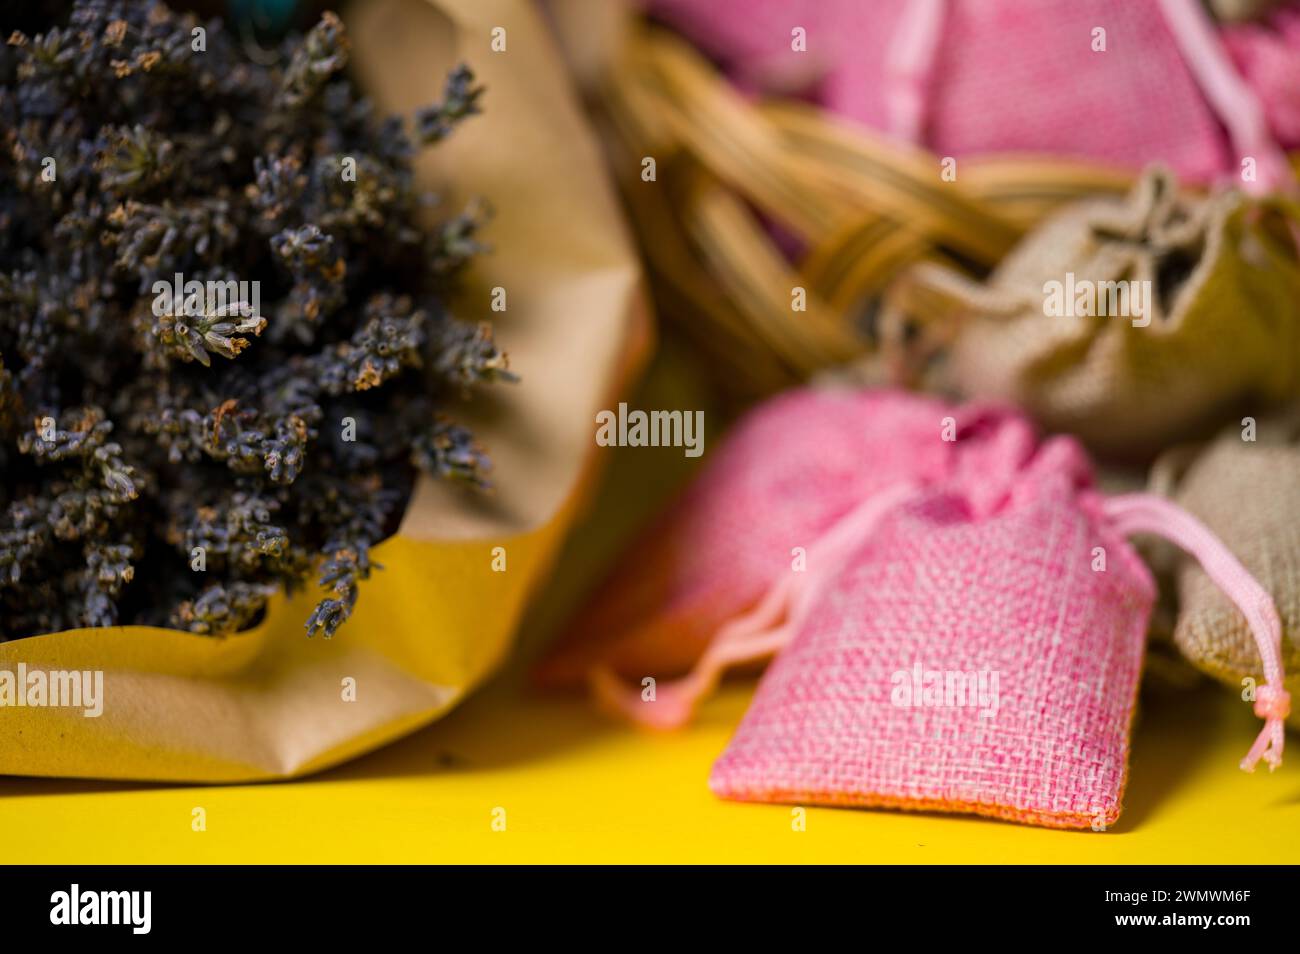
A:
[222, 343]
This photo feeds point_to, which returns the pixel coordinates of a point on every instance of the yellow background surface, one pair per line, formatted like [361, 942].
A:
[576, 788]
[579, 788]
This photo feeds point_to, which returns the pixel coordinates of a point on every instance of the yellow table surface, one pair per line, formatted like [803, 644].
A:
[577, 788]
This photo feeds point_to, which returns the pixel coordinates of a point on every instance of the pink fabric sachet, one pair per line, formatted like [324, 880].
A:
[973, 77]
[784, 473]
[970, 644]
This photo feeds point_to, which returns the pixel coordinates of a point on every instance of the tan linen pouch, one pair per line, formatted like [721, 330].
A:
[1218, 286]
[1248, 493]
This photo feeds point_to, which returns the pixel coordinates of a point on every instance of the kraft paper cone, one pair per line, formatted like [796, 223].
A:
[269, 703]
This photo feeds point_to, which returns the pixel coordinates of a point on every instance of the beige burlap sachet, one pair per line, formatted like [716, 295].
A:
[1133, 322]
[1248, 493]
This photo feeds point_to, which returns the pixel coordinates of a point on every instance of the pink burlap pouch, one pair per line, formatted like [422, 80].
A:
[784, 473]
[972, 645]
[1111, 80]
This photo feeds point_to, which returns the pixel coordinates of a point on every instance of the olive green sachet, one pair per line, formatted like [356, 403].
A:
[1133, 322]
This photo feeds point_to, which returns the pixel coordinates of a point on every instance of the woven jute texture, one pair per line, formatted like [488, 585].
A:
[964, 583]
[1221, 284]
[1249, 494]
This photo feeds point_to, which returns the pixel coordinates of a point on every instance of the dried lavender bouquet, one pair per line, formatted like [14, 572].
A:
[222, 345]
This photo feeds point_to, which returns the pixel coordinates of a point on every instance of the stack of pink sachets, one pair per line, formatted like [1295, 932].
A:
[959, 619]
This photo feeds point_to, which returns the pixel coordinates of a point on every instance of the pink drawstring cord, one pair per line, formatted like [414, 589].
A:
[911, 62]
[1147, 513]
[1233, 102]
[909, 66]
[758, 634]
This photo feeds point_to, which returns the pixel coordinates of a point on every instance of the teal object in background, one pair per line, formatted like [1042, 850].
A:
[270, 17]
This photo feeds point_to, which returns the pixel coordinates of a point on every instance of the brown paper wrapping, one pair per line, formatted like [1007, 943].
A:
[269, 703]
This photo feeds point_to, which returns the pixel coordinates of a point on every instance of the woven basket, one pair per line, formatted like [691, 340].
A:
[751, 201]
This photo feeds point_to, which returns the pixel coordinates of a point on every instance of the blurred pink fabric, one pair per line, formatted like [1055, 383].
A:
[1267, 55]
[784, 473]
[1007, 76]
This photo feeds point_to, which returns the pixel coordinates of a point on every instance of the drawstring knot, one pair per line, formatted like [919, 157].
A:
[1147, 513]
[1272, 703]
